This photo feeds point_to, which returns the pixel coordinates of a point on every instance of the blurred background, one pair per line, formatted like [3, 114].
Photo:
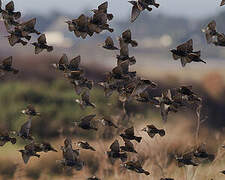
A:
[157, 32]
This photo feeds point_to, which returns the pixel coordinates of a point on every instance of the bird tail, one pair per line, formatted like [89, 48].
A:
[134, 43]
[24, 43]
[110, 30]
[13, 140]
[202, 61]
[156, 5]
[146, 173]
[162, 132]
[138, 139]
[50, 48]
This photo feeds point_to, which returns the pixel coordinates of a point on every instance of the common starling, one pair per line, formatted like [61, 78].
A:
[186, 54]
[85, 100]
[25, 130]
[135, 166]
[29, 150]
[6, 65]
[74, 75]
[41, 44]
[222, 2]
[85, 145]
[210, 31]
[103, 8]
[109, 44]
[10, 9]
[129, 134]
[124, 53]
[107, 122]
[138, 7]
[4, 137]
[115, 153]
[30, 111]
[127, 38]
[86, 123]
[71, 156]
[152, 131]
[128, 147]
[28, 27]
[223, 172]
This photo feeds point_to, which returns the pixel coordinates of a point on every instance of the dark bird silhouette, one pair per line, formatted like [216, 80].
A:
[127, 38]
[166, 179]
[222, 3]
[103, 8]
[201, 152]
[30, 111]
[109, 44]
[107, 122]
[222, 172]
[115, 153]
[6, 66]
[28, 27]
[135, 166]
[152, 131]
[41, 44]
[210, 31]
[128, 147]
[25, 130]
[70, 156]
[5, 137]
[138, 7]
[186, 159]
[86, 123]
[185, 53]
[85, 145]
[129, 134]
[124, 53]
[28, 151]
[85, 100]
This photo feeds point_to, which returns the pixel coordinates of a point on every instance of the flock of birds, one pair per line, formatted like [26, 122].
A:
[126, 83]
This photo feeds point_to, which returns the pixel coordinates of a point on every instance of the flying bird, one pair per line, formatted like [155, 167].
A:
[5, 137]
[152, 131]
[128, 147]
[129, 134]
[6, 65]
[85, 145]
[109, 44]
[210, 31]
[135, 166]
[30, 111]
[41, 44]
[185, 53]
[127, 38]
[85, 123]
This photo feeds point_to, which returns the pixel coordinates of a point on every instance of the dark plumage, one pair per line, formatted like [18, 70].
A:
[6, 65]
[25, 130]
[41, 44]
[30, 111]
[5, 137]
[127, 38]
[128, 147]
[129, 134]
[107, 122]
[109, 44]
[135, 166]
[85, 100]
[85, 145]
[152, 131]
[115, 153]
[86, 123]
